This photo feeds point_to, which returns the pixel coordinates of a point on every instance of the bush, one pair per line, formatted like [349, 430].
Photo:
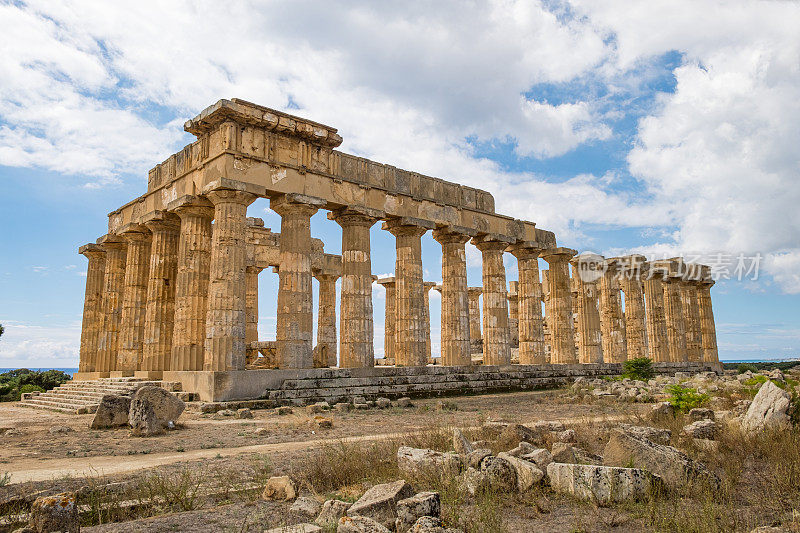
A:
[640, 368]
[744, 367]
[685, 398]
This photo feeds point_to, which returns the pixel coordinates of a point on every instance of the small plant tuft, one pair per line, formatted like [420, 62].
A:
[640, 368]
[685, 399]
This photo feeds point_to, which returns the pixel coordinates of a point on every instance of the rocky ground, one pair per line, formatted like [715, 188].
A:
[601, 455]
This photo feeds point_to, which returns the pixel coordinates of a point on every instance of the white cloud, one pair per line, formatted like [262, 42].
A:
[25, 344]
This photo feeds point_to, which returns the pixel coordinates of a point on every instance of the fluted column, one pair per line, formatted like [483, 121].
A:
[191, 290]
[676, 322]
[691, 312]
[356, 325]
[326, 320]
[630, 281]
[295, 292]
[456, 315]
[475, 333]
[496, 346]
[426, 311]
[529, 295]
[92, 306]
[410, 307]
[251, 312]
[587, 273]
[612, 319]
[513, 314]
[658, 349]
[160, 314]
[707, 328]
[225, 320]
[390, 316]
[113, 291]
[559, 319]
[134, 299]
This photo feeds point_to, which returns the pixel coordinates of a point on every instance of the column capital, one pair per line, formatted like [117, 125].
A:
[190, 205]
[525, 249]
[409, 226]
[475, 291]
[386, 282]
[232, 186]
[555, 255]
[134, 232]
[491, 242]
[162, 221]
[428, 285]
[91, 250]
[325, 275]
[356, 216]
[253, 269]
[453, 234]
[513, 291]
[296, 203]
[111, 241]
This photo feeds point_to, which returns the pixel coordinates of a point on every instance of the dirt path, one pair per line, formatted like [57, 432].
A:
[25, 470]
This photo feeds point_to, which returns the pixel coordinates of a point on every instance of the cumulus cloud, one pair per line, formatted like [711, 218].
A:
[24, 344]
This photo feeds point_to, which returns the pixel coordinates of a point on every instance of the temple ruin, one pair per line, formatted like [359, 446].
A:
[172, 288]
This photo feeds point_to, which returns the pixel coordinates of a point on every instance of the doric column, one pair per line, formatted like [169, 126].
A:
[707, 328]
[410, 306]
[612, 319]
[225, 320]
[691, 312]
[426, 311]
[676, 322]
[630, 281]
[559, 308]
[456, 315]
[587, 270]
[251, 312]
[390, 316]
[475, 333]
[134, 299]
[496, 346]
[160, 314]
[356, 326]
[326, 320]
[529, 295]
[113, 291]
[658, 349]
[513, 314]
[92, 305]
[191, 288]
[295, 319]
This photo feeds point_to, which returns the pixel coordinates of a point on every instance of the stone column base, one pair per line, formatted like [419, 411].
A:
[149, 374]
[87, 376]
[121, 374]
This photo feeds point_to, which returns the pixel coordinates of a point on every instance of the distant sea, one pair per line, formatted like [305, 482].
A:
[69, 371]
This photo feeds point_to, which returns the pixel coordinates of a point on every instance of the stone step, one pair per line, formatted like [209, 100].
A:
[67, 410]
[79, 408]
[77, 395]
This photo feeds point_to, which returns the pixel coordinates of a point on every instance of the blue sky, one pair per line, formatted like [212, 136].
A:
[660, 127]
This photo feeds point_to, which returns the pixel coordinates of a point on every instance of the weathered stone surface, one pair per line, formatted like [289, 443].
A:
[460, 443]
[297, 528]
[166, 406]
[413, 461]
[244, 413]
[601, 484]
[280, 488]
[332, 511]
[306, 506]
[657, 435]
[702, 429]
[541, 457]
[662, 411]
[476, 456]
[675, 468]
[501, 473]
[770, 409]
[528, 474]
[360, 524]
[143, 421]
[55, 513]
[112, 412]
[701, 413]
[562, 452]
[430, 524]
[516, 433]
[379, 502]
[474, 480]
[409, 510]
[568, 435]
[522, 448]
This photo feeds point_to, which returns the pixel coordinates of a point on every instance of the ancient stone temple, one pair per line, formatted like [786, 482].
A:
[172, 287]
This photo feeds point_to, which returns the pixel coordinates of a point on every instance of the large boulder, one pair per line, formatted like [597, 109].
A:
[409, 510]
[528, 474]
[601, 484]
[770, 409]
[380, 502]
[112, 412]
[416, 461]
[55, 513]
[674, 467]
[360, 524]
[280, 488]
[143, 420]
[166, 406]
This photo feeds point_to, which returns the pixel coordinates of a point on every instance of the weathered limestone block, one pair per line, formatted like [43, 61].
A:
[166, 406]
[657, 435]
[360, 524]
[380, 502]
[143, 421]
[559, 306]
[112, 412]
[674, 467]
[160, 312]
[496, 333]
[415, 461]
[455, 298]
[587, 271]
[630, 281]
[92, 306]
[500, 473]
[332, 511]
[191, 289]
[356, 326]
[612, 319]
[531, 322]
[527, 473]
[770, 409]
[601, 484]
[55, 513]
[702, 429]
[306, 506]
[134, 298]
[113, 291]
[409, 510]
[280, 488]
[297, 528]
[460, 443]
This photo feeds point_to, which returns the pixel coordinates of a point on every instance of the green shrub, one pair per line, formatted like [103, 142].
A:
[30, 387]
[744, 367]
[685, 398]
[639, 368]
[14, 382]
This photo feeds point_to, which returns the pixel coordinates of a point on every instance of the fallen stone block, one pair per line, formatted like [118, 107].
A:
[702, 429]
[601, 484]
[143, 421]
[700, 413]
[280, 488]
[360, 524]
[415, 461]
[55, 513]
[306, 506]
[501, 473]
[476, 456]
[332, 511]
[662, 411]
[112, 412]
[297, 528]
[541, 457]
[460, 443]
[409, 510]
[522, 448]
[515, 433]
[658, 435]
[430, 524]
[166, 406]
[244, 413]
[380, 502]
[770, 409]
[527, 474]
